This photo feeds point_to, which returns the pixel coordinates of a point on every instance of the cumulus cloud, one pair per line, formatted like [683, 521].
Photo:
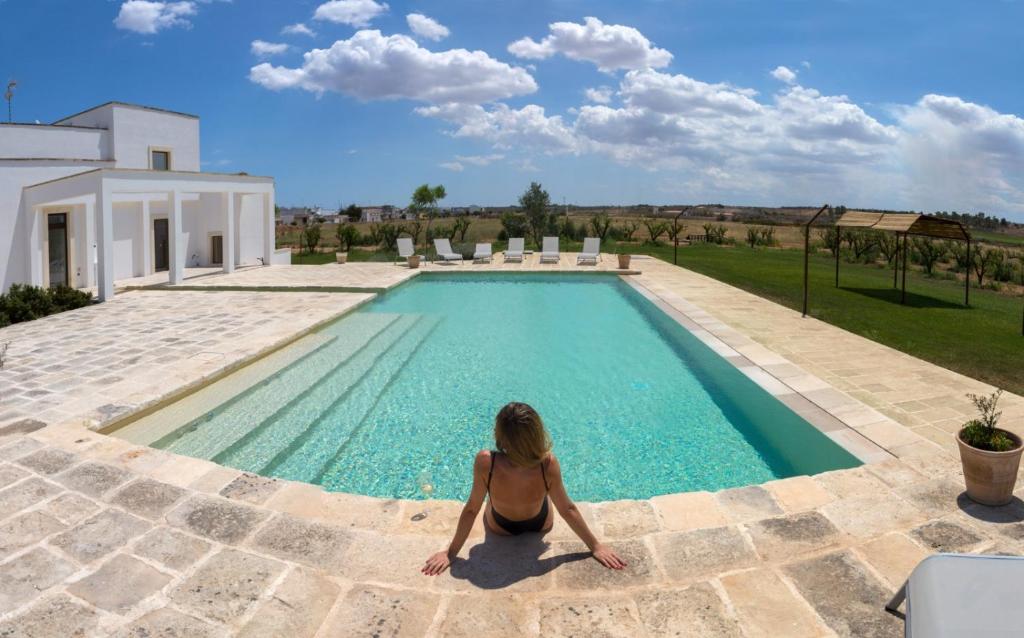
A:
[264, 49]
[506, 127]
[600, 95]
[425, 27]
[298, 28]
[480, 160]
[371, 66]
[784, 74]
[665, 93]
[610, 46]
[356, 13]
[144, 16]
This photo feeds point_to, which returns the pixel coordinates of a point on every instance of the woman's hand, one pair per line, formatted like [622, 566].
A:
[437, 564]
[607, 557]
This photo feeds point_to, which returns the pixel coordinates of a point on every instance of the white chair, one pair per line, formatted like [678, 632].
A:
[549, 253]
[406, 249]
[444, 250]
[514, 252]
[591, 252]
[483, 253]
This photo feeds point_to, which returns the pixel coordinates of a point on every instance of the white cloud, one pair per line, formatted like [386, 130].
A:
[609, 46]
[371, 66]
[144, 16]
[600, 95]
[425, 27]
[264, 49]
[298, 28]
[453, 166]
[784, 74]
[480, 160]
[356, 13]
[806, 64]
[666, 93]
[809, 115]
[506, 127]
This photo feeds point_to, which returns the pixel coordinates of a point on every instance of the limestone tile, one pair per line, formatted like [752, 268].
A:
[48, 460]
[511, 563]
[895, 473]
[10, 474]
[168, 623]
[436, 518]
[58, 615]
[578, 569]
[216, 518]
[798, 493]
[946, 535]
[392, 559]
[566, 617]
[496, 616]
[626, 519]
[93, 478]
[215, 479]
[767, 608]
[251, 488]
[26, 494]
[872, 516]
[928, 459]
[893, 556]
[694, 611]
[69, 508]
[852, 483]
[560, 530]
[787, 536]
[370, 612]
[184, 471]
[302, 541]
[26, 529]
[747, 503]
[700, 553]
[226, 586]
[147, 498]
[22, 446]
[859, 610]
[934, 496]
[120, 584]
[688, 511]
[296, 609]
[347, 510]
[889, 434]
[30, 574]
[171, 548]
[100, 535]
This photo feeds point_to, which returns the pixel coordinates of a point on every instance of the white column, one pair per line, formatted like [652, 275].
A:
[177, 269]
[105, 242]
[147, 240]
[37, 257]
[228, 239]
[268, 228]
[90, 244]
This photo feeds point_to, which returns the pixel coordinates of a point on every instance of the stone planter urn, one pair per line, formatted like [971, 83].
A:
[341, 257]
[414, 261]
[990, 476]
[624, 261]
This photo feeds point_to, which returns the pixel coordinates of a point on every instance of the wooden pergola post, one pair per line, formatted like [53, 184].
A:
[903, 296]
[967, 280]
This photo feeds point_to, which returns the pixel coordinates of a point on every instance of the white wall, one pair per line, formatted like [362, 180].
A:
[28, 141]
[250, 230]
[127, 240]
[135, 129]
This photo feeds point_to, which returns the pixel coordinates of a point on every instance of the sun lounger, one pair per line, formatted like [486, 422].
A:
[591, 251]
[549, 254]
[406, 249]
[445, 252]
[483, 253]
[963, 595]
[514, 252]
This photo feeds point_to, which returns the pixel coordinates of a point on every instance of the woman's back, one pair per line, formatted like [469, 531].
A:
[517, 492]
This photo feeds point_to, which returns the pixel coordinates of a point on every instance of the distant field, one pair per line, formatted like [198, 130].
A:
[998, 238]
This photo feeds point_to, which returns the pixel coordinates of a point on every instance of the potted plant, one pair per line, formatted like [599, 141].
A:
[990, 456]
[414, 261]
[623, 257]
[341, 257]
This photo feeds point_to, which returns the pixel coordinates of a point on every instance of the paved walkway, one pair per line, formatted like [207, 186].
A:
[101, 537]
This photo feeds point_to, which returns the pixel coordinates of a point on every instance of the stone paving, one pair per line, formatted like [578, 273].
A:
[101, 537]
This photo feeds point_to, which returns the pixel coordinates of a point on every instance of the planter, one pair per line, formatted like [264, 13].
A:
[414, 261]
[341, 257]
[990, 476]
[624, 261]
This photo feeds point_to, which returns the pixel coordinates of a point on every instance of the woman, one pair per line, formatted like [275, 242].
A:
[518, 478]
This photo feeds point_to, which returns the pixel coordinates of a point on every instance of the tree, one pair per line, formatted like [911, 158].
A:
[460, 228]
[389, 234]
[311, 235]
[627, 229]
[347, 235]
[987, 260]
[353, 212]
[600, 224]
[514, 225]
[928, 252]
[535, 202]
[425, 198]
[860, 242]
[414, 229]
[889, 246]
[655, 229]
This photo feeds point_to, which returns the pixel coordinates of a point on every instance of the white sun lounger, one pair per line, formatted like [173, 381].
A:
[483, 253]
[954, 595]
[514, 252]
[591, 252]
[406, 249]
[444, 250]
[550, 254]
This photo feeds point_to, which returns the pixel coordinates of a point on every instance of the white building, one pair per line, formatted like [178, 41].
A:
[116, 192]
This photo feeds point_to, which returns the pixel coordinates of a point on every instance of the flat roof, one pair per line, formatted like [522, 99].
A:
[41, 125]
[140, 107]
[158, 174]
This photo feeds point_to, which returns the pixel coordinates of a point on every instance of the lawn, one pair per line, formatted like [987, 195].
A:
[983, 341]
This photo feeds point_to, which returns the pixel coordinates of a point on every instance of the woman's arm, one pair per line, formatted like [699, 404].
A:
[568, 510]
[442, 559]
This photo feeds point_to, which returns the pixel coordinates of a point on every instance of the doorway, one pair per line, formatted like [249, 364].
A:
[217, 250]
[57, 240]
[161, 246]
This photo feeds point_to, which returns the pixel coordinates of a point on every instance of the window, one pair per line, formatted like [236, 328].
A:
[160, 160]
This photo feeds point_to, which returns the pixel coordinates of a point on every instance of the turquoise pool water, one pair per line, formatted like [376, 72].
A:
[402, 393]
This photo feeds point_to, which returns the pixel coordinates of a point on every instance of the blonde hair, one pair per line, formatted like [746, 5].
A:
[519, 433]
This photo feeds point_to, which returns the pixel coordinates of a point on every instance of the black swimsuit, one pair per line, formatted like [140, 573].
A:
[516, 528]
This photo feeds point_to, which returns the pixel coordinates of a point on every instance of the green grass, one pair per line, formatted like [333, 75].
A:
[998, 238]
[983, 341]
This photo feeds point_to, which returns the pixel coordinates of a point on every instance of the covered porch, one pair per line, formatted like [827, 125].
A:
[96, 228]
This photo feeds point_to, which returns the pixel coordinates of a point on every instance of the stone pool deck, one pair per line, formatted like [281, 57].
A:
[102, 537]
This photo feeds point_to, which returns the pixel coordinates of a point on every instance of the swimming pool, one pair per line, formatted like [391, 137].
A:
[395, 399]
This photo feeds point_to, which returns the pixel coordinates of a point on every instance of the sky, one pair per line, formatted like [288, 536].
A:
[881, 104]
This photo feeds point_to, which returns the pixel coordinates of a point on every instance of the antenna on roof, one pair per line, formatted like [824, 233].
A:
[9, 96]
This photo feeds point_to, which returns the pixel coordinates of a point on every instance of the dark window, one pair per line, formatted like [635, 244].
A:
[161, 161]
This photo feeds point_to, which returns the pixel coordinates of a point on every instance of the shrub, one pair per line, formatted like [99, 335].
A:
[600, 224]
[655, 229]
[514, 225]
[25, 303]
[628, 229]
[981, 433]
[347, 236]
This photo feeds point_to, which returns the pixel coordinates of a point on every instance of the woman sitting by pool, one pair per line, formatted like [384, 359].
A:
[518, 478]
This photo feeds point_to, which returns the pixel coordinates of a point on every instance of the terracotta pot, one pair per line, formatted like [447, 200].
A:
[414, 261]
[990, 476]
[341, 257]
[624, 261]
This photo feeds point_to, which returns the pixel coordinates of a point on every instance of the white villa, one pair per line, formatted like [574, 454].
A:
[116, 192]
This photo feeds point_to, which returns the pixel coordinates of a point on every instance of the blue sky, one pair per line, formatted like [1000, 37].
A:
[881, 104]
